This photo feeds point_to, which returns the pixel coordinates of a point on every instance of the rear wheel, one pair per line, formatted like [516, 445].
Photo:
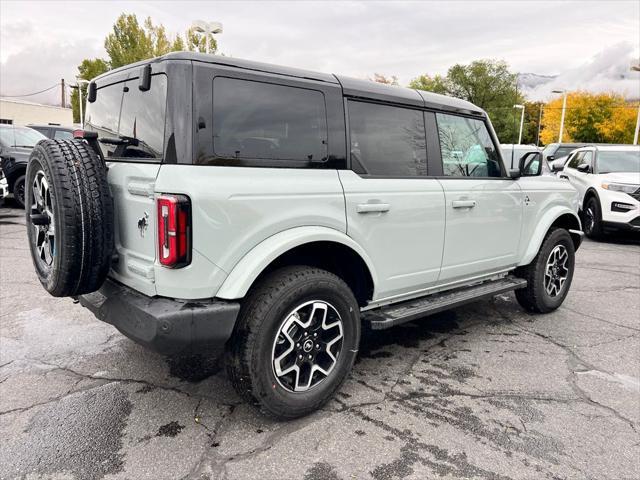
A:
[295, 342]
[549, 275]
[592, 218]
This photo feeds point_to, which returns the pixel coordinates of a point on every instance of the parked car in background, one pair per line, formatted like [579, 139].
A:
[55, 131]
[607, 178]
[513, 152]
[557, 150]
[16, 144]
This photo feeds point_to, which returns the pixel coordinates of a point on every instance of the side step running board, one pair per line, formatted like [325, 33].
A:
[397, 313]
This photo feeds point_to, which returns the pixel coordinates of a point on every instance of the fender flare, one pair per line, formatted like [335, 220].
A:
[542, 228]
[245, 272]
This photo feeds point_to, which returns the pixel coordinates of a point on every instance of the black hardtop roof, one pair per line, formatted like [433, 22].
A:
[352, 87]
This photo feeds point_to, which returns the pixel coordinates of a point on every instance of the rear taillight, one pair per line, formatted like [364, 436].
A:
[78, 133]
[174, 230]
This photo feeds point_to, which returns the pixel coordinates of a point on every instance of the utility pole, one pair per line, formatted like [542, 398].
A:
[64, 100]
[635, 136]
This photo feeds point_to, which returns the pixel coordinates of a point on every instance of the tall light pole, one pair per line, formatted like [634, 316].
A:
[79, 83]
[564, 108]
[208, 29]
[635, 135]
[521, 107]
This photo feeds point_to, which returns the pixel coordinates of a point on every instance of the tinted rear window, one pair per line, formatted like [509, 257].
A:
[255, 120]
[387, 140]
[122, 113]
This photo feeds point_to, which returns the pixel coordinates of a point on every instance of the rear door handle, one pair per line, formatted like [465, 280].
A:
[372, 207]
[463, 203]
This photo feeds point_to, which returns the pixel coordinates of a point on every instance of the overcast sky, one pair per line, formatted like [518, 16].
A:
[590, 44]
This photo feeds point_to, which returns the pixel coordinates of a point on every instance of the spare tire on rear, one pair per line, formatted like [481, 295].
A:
[69, 217]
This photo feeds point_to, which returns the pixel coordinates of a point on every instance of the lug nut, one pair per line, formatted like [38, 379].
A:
[317, 345]
[300, 357]
[310, 357]
[315, 334]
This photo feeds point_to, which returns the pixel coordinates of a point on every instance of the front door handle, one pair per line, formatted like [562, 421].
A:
[463, 203]
[565, 177]
[372, 207]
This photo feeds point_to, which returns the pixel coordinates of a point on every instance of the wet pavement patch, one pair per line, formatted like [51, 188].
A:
[321, 471]
[169, 430]
[194, 368]
[81, 434]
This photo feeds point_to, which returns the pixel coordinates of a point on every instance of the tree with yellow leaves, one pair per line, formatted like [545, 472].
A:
[597, 118]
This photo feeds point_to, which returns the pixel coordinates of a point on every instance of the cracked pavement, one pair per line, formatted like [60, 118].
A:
[484, 391]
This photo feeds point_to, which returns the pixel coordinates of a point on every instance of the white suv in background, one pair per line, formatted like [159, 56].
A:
[607, 178]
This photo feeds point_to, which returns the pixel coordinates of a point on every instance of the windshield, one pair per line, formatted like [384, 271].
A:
[620, 161]
[20, 137]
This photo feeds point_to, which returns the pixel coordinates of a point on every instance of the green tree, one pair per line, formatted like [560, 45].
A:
[486, 83]
[379, 78]
[131, 42]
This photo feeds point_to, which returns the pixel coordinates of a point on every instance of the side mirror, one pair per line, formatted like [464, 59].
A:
[551, 158]
[583, 167]
[93, 92]
[514, 173]
[531, 164]
[145, 78]
[557, 167]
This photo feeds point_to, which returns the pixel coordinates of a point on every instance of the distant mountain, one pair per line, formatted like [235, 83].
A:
[531, 81]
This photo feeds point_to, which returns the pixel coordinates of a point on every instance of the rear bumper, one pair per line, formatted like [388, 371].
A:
[162, 324]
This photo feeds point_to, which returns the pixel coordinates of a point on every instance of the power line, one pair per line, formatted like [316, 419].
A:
[35, 93]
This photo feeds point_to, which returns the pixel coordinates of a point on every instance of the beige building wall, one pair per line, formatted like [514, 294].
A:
[20, 112]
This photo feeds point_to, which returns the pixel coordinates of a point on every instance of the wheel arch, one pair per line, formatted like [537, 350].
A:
[320, 247]
[591, 192]
[559, 217]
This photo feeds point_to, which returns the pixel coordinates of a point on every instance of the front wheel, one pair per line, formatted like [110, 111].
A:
[549, 275]
[592, 218]
[19, 191]
[295, 342]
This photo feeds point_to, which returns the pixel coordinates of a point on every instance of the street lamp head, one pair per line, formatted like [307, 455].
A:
[558, 91]
[201, 26]
[518, 106]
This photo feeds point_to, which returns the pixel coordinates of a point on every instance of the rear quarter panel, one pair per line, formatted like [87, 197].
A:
[236, 208]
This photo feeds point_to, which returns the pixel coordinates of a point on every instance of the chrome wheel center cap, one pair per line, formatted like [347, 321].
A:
[307, 346]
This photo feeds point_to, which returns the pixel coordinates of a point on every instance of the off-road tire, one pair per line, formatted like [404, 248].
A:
[82, 216]
[249, 351]
[534, 297]
[19, 191]
[593, 231]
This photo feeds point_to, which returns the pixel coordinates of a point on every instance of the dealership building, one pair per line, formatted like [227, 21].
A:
[20, 112]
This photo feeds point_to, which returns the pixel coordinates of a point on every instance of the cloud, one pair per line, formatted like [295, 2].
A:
[42, 42]
[608, 71]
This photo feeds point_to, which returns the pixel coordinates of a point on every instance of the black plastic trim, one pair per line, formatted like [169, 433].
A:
[162, 324]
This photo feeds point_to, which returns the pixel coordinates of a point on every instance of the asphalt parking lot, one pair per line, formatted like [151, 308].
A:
[485, 391]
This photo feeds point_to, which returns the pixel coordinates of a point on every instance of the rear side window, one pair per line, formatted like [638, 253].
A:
[466, 147]
[130, 122]
[264, 121]
[387, 140]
